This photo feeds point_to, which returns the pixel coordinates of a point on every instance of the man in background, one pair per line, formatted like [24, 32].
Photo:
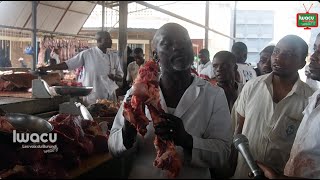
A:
[205, 69]
[133, 67]
[264, 64]
[23, 64]
[315, 85]
[102, 69]
[245, 71]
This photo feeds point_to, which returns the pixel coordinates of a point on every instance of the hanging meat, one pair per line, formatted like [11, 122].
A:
[42, 52]
[146, 92]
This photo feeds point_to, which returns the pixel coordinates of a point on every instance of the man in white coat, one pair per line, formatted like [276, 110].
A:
[102, 68]
[205, 69]
[200, 112]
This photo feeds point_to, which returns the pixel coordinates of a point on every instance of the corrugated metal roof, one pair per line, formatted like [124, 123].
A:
[55, 16]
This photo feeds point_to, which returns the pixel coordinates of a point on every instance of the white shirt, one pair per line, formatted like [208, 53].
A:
[132, 71]
[315, 85]
[246, 73]
[206, 69]
[304, 158]
[55, 56]
[204, 111]
[97, 67]
[270, 127]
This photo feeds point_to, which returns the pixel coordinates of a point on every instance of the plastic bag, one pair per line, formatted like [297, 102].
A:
[28, 50]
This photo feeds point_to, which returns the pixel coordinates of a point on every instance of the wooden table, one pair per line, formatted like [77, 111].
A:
[90, 164]
[17, 94]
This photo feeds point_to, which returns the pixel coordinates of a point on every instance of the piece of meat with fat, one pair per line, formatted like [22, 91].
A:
[167, 157]
[145, 91]
[15, 172]
[134, 113]
[8, 156]
[5, 125]
[30, 156]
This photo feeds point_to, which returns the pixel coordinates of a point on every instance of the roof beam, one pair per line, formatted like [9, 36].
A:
[87, 18]
[63, 8]
[63, 16]
[48, 32]
[180, 17]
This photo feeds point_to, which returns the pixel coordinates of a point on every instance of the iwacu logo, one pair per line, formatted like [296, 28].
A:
[34, 137]
[307, 20]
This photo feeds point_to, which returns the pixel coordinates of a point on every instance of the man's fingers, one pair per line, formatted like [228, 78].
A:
[165, 124]
[268, 172]
[262, 166]
[168, 116]
[164, 134]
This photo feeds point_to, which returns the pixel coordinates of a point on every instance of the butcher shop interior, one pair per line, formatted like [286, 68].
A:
[143, 89]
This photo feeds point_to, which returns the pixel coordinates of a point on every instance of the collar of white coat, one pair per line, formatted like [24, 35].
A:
[107, 51]
[207, 64]
[187, 99]
[297, 87]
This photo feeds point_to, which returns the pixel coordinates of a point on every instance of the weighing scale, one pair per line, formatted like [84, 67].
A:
[40, 88]
[74, 106]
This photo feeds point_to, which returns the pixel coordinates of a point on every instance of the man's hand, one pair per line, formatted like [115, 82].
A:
[115, 77]
[129, 134]
[111, 76]
[173, 128]
[43, 69]
[269, 172]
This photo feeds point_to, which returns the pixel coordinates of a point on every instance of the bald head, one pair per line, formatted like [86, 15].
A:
[297, 42]
[103, 40]
[240, 50]
[169, 27]
[174, 47]
[102, 34]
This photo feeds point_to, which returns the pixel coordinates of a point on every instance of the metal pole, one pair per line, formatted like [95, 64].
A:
[103, 15]
[34, 34]
[206, 35]
[179, 17]
[235, 21]
[122, 43]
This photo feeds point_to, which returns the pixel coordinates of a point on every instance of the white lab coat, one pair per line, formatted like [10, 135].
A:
[205, 114]
[97, 67]
[304, 158]
[206, 69]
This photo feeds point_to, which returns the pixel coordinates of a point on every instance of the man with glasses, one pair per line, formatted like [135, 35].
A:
[133, 67]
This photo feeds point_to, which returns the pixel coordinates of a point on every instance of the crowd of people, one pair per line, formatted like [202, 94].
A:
[207, 106]
[269, 104]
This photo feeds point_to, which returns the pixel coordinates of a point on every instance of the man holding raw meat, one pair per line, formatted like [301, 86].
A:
[102, 68]
[190, 125]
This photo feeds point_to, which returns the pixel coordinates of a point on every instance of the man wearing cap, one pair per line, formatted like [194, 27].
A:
[102, 68]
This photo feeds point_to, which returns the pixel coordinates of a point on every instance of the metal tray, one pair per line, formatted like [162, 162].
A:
[25, 122]
[72, 91]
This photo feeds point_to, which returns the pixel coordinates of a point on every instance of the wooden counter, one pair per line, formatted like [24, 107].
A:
[90, 164]
[28, 105]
